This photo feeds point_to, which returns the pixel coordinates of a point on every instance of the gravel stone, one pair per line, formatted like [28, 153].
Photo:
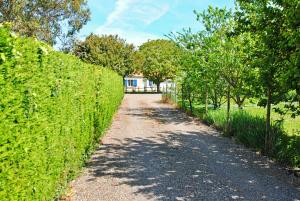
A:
[155, 152]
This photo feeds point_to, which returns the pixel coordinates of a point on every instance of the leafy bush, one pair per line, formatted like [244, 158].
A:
[53, 109]
[287, 149]
[250, 130]
[216, 118]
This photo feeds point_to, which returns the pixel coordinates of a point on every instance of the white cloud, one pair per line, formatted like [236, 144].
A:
[130, 15]
[121, 7]
[137, 11]
[131, 36]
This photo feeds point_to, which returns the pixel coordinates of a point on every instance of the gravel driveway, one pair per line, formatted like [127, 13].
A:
[155, 152]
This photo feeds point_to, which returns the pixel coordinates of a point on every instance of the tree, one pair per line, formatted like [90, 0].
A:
[191, 72]
[200, 70]
[190, 82]
[275, 24]
[216, 22]
[47, 20]
[235, 66]
[213, 65]
[221, 60]
[109, 51]
[160, 60]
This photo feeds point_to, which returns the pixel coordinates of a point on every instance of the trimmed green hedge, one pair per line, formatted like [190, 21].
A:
[53, 109]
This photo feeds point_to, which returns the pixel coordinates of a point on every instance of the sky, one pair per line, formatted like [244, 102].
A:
[138, 21]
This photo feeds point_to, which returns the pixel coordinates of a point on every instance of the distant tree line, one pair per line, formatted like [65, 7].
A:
[58, 22]
[157, 60]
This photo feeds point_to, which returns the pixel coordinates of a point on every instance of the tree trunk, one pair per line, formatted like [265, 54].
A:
[175, 94]
[206, 101]
[191, 104]
[167, 90]
[215, 100]
[228, 111]
[239, 102]
[158, 87]
[182, 97]
[124, 84]
[268, 122]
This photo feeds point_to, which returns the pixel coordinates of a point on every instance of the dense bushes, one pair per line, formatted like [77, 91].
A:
[250, 130]
[53, 108]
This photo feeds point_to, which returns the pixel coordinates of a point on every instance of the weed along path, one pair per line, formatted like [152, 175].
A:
[155, 152]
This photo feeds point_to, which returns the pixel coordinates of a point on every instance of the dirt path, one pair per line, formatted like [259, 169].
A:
[154, 152]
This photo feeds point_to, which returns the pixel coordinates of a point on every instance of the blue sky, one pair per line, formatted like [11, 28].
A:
[140, 20]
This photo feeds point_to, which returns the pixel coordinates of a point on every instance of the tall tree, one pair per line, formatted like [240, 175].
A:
[221, 61]
[275, 24]
[192, 75]
[109, 51]
[216, 22]
[49, 20]
[235, 66]
[160, 60]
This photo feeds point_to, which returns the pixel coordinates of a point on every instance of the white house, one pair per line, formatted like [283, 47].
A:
[137, 83]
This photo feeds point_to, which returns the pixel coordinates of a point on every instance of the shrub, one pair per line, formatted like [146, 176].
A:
[287, 149]
[250, 130]
[216, 118]
[53, 109]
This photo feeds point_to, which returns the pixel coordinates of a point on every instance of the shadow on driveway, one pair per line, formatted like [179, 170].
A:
[176, 165]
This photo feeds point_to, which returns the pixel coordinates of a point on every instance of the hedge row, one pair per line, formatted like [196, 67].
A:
[53, 109]
[250, 130]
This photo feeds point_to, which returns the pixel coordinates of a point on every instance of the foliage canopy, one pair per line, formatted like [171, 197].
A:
[109, 51]
[249, 53]
[46, 20]
[159, 60]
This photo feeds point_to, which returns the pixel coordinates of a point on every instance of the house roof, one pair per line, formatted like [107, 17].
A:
[135, 75]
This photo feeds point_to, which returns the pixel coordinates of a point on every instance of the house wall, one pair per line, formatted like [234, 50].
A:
[142, 84]
[167, 83]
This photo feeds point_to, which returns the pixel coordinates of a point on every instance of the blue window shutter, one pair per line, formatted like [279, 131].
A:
[135, 83]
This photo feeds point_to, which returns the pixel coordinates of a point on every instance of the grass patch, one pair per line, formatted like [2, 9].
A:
[291, 126]
[248, 127]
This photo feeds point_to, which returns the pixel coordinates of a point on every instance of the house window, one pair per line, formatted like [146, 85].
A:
[150, 83]
[132, 83]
